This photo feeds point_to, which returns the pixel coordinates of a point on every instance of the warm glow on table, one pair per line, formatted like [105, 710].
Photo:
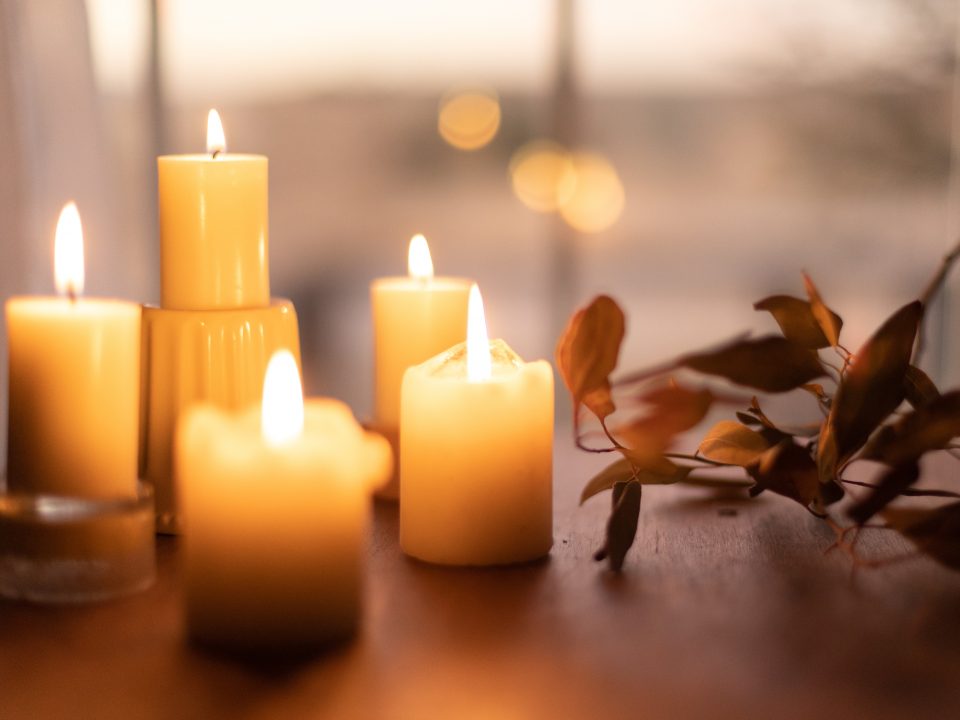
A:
[476, 442]
[276, 503]
[414, 318]
[213, 228]
[74, 384]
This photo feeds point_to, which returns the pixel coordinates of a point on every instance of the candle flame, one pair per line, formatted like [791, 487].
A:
[478, 345]
[68, 252]
[281, 417]
[216, 140]
[419, 262]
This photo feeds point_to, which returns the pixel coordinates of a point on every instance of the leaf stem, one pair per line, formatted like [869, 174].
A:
[908, 492]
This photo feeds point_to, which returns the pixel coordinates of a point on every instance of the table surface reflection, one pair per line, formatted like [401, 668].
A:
[728, 608]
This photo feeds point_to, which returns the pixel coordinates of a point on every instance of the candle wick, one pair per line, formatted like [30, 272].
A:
[72, 294]
[215, 153]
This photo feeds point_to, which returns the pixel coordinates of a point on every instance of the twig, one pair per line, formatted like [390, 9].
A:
[936, 282]
[585, 448]
[713, 482]
[933, 287]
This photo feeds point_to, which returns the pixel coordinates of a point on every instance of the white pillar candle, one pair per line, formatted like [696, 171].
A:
[276, 503]
[476, 440]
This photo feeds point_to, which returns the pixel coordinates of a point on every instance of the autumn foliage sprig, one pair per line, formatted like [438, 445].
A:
[859, 394]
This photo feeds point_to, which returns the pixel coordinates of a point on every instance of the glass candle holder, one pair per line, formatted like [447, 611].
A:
[56, 549]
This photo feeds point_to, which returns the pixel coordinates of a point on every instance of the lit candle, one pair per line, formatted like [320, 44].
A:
[476, 440]
[217, 327]
[74, 384]
[276, 503]
[414, 318]
[213, 227]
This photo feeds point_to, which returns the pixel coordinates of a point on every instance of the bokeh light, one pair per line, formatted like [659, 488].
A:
[542, 175]
[584, 188]
[592, 196]
[469, 120]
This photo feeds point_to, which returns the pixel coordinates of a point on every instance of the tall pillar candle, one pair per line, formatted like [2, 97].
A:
[74, 384]
[213, 228]
[476, 440]
[414, 318]
[276, 505]
[217, 326]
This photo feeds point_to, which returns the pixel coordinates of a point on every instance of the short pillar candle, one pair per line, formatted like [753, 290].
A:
[276, 503]
[476, 441]
[74, 384]
[414, 318]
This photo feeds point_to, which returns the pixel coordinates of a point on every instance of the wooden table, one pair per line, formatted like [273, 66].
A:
[727, 608]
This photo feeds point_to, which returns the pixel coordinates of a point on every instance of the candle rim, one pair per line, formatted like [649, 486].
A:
[329, 426]
[224, 313]
[503, 369]
[498, 377]
[221, 158]
[408, 283]
[36, 304]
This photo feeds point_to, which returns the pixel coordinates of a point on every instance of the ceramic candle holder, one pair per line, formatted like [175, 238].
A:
[201, 356]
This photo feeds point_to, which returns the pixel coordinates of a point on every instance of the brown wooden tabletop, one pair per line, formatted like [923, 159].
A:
[727, 608]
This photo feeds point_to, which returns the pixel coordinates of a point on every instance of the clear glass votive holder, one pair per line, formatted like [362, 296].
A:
[58, 550]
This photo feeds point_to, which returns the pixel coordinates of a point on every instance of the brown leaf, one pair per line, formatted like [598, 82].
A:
[588, 351]
[748, 419]
[919, 388]
[796, 320]
[730, 442]
[623, 470]
[829, 322]
[871, 389]
[670, 410]
[771, 364]
[930, 427]
[788, 470]
[620, 471]
[771, 433]
[935, 532]
[664, 473]
[890, 486]
[622, 525]
[648, 458]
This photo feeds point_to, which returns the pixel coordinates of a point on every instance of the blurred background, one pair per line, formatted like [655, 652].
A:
[687, 158]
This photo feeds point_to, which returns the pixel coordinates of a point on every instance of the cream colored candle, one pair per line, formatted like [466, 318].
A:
[213, 228]
[476, 440]
[414, 318]
[74, 384]
[276, 503]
